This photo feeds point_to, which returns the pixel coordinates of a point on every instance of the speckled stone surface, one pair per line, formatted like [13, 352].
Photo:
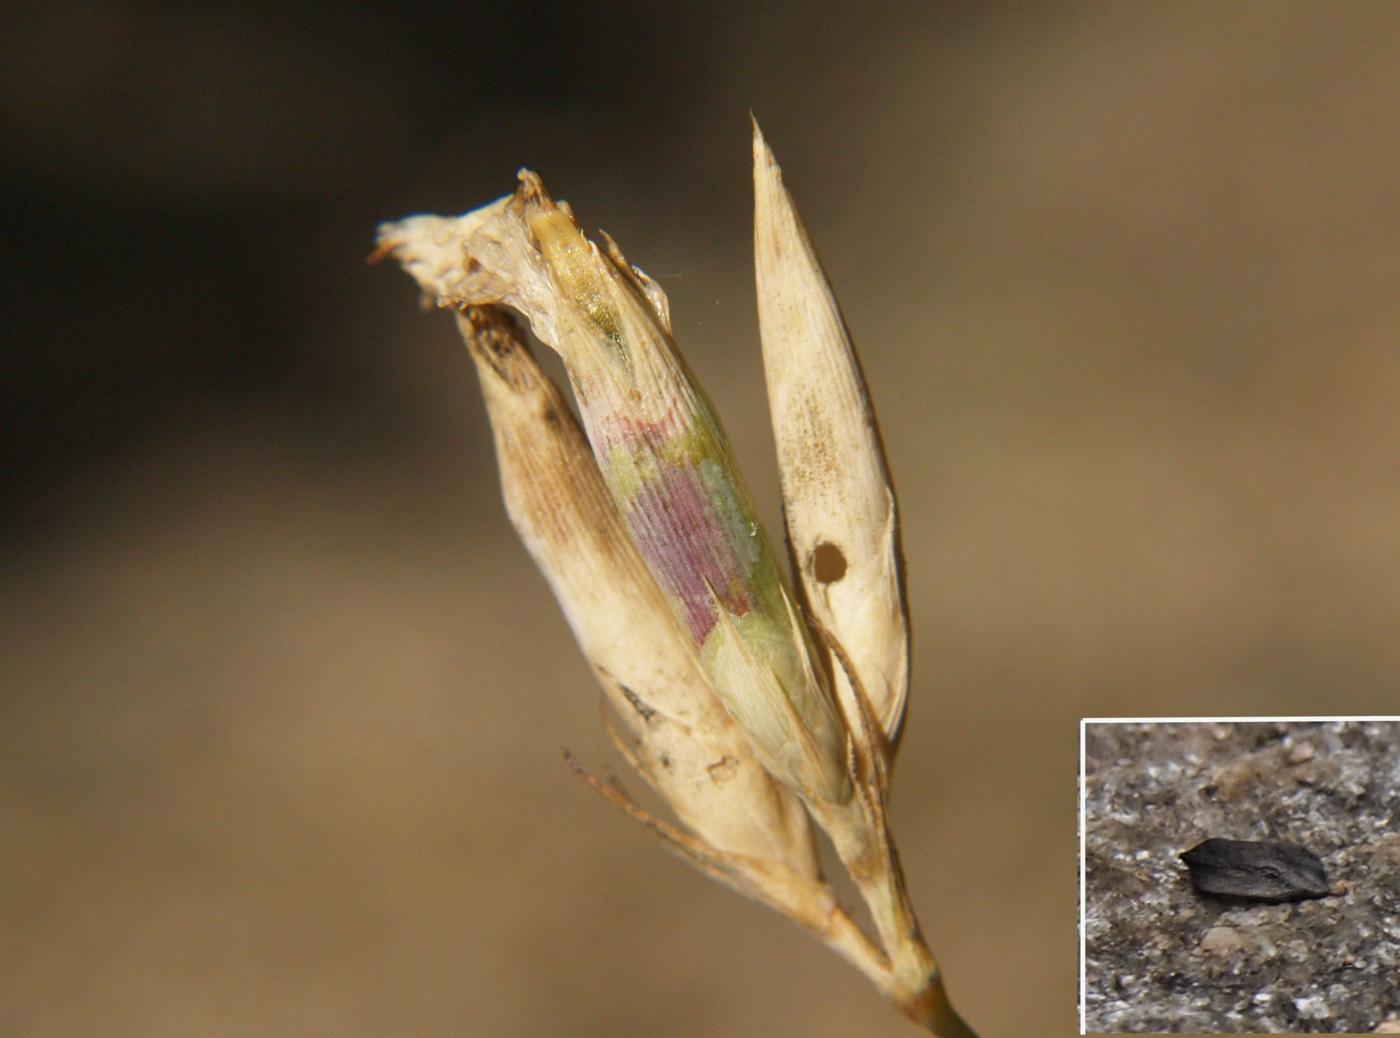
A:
[1162, 957]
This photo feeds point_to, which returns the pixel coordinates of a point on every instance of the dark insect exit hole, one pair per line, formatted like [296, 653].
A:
[828, 564]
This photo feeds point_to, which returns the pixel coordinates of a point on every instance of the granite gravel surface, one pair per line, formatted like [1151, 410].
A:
[1162, 957]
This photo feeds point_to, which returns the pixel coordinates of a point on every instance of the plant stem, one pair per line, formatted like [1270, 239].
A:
[913, 982]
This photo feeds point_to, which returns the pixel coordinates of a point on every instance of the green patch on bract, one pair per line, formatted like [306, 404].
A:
[627, 470]
[743, 535]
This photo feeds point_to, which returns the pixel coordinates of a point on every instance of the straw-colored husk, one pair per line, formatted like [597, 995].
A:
[838, 500]
[669, 721]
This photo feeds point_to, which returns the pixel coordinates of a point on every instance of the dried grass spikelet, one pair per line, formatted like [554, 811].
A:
[655, 553]
[749, 830]
[663, 455]
[838, 500]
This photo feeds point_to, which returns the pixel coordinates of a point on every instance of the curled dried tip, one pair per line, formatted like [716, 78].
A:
[433, 250]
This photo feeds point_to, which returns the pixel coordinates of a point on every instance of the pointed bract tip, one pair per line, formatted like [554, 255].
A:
[760, 145]
[765, 163]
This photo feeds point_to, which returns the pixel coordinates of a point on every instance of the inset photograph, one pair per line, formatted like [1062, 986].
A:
[1240, 876]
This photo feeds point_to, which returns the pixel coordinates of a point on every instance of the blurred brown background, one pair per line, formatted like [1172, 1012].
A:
[282, 698]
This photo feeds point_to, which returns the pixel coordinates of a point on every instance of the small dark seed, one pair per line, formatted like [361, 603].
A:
[1256, 870]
